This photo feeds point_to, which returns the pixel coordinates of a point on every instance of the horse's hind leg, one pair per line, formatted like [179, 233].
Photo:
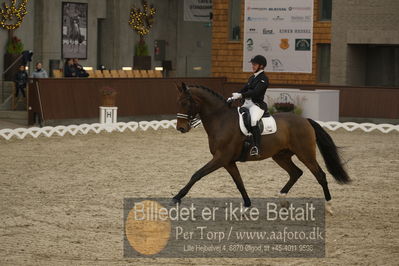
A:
[235, 174]
[283, 159]
[314, 167]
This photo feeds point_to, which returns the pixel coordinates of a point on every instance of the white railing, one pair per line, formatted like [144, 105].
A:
[83, 129]
[366, 127]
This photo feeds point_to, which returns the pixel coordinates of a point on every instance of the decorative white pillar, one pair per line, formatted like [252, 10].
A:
[108, 115]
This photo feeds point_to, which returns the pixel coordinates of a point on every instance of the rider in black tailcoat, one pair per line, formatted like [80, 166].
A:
[254, 94]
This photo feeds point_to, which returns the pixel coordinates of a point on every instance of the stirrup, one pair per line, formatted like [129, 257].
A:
[254, 151]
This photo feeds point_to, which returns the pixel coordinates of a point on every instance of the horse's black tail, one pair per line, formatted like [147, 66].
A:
[330, 154]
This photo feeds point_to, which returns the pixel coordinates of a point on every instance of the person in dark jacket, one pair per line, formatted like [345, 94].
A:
[254, 94]
[21, 79]
[80, 72]
[69, 69]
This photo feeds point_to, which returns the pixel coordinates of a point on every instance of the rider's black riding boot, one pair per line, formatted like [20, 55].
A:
[255, 150]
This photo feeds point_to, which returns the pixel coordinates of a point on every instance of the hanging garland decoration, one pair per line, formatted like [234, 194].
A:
[11, 17]
[141, 21]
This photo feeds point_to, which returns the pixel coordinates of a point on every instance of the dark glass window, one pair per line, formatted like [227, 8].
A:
[234, 20]
[382, 67]
[323, 63]
[325, 9]
[373, 65]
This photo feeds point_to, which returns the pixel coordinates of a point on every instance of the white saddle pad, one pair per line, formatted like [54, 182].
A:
[269, 125]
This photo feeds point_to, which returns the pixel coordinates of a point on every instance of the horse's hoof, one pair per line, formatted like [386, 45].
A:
[282, 195]
[247, 203]
[175, 201]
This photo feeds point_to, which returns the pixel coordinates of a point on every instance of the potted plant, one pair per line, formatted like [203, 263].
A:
[141, 22]
[141, 59]
[14, 49]
[284, 107]
[285, 103]
[15, 46]
[12, 17]
[108, 97]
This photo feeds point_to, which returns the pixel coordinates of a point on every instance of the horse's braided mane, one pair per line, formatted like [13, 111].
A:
[214, 93]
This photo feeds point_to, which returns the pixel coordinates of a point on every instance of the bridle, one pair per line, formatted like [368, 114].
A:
[193, 120]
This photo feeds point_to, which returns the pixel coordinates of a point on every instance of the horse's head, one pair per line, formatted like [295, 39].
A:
[187, 109]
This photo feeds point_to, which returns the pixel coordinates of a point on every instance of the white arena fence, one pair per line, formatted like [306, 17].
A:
[84, 129]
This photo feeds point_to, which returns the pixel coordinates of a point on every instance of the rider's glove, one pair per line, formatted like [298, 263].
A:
[236, 96]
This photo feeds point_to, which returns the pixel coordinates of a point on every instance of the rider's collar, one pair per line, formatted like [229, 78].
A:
[260, 71]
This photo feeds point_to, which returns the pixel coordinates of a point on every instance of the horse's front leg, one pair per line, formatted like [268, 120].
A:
[211, 166]
[235, 174]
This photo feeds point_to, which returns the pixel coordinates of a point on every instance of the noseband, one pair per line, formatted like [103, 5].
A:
[193, 121]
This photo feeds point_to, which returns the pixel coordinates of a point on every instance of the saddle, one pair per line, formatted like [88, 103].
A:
[267, 125]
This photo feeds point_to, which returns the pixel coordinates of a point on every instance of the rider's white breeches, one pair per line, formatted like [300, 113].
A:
[255, 111]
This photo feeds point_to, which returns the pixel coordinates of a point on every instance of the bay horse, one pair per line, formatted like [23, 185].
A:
[295, 135]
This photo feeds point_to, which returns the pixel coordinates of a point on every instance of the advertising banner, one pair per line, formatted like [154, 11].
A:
[282, 31]
[197, 10]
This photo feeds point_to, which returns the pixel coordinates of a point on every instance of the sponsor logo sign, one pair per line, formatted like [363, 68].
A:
[278, 18]
[252, 30]
[302, 44]
[250, 44]
[255, 19]
[267, 31]
[299, 8]
[277, 65]
[281, 30]
[297, 18]
[284, 44]
[266, 46]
